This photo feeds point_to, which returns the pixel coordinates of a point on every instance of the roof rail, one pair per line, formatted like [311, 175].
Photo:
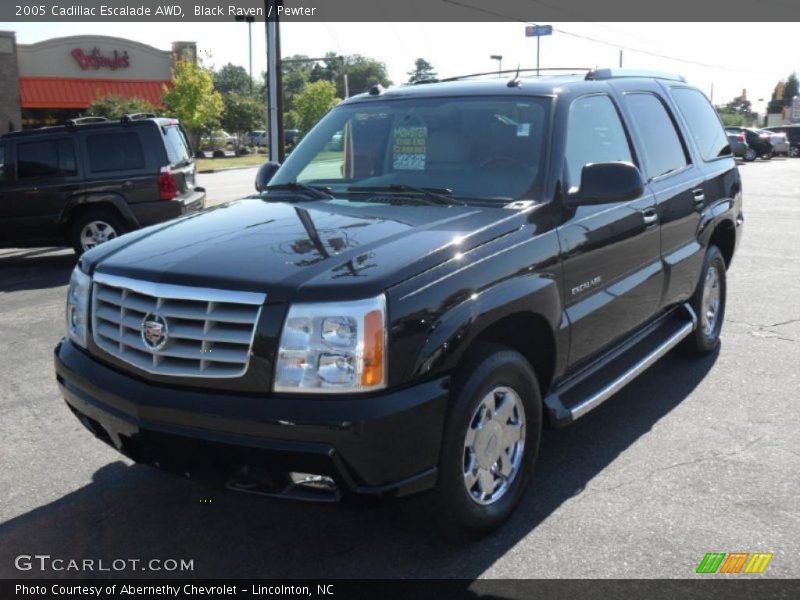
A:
[545, 71]
[598, 74]
[137, 116]
[84, 120]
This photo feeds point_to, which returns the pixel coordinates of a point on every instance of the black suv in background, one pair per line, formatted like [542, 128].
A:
[758, 144]
[792, 134]
[93, 179]
[481, 259]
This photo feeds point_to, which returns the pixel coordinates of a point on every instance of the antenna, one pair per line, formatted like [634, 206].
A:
[515, 82]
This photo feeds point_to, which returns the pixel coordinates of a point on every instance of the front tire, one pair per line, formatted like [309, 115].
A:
[708, 303]
[491, 440]
[794, 152]
[750, 155]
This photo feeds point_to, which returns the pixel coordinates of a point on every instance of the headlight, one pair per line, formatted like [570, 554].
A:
[333, 348]
[78, 306]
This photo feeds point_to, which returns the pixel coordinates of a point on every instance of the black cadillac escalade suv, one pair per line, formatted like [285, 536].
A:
[407, 309]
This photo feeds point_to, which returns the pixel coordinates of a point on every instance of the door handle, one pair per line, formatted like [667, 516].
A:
[650, 216]
[128, 185]
[699, 196]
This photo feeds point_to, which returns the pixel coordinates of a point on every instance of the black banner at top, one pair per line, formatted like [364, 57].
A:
[399, 10]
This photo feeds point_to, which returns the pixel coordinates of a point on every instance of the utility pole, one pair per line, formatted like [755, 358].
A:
[274, 83]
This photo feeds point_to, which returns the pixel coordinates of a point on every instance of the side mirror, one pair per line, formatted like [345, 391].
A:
[265, 173]
[606, 182]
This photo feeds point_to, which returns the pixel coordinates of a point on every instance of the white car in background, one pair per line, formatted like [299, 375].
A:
[779, 141]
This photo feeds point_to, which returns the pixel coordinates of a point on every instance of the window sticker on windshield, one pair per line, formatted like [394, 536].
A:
[523, 130]
[410, 148]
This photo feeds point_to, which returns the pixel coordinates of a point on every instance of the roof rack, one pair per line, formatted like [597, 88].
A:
[137, 116]
[84, 121]
[598, 74]
[545, 71]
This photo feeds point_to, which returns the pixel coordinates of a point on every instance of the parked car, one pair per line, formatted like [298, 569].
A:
[256, 138]
[792, 133]
[759, 143]
[491, 258]
[290, 138]
[739, 147]
[92, 180]
[219, 139]
[779, 141]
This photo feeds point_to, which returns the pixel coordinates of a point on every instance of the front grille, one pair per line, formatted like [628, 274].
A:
[208, 332]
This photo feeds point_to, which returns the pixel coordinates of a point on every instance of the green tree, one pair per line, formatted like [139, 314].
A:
[423, 71]
[313, 102]
[791, 89]
[362, 72]
[114, 106]
[242, 113]
[193, 99]
[232, 79]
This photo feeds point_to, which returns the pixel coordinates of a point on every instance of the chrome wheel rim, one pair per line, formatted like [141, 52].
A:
[494, 445]
[711, 300]
[96, 232]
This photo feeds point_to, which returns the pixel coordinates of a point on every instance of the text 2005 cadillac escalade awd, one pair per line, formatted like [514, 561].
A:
[434, 274]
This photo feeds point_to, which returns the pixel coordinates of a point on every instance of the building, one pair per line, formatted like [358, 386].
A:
[50, 81]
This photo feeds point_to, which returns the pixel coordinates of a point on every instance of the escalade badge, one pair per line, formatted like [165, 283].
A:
[154, 332]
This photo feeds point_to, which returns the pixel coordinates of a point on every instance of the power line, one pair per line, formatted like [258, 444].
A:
[599, 41]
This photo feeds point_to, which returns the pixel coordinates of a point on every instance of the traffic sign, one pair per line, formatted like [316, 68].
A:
[538, 30]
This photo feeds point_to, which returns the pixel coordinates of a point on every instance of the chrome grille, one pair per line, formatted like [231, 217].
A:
[209, 332]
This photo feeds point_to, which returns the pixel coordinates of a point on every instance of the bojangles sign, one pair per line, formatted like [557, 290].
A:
[96, 60]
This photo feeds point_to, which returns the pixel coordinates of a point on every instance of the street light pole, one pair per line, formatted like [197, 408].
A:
[499, 59]
[249, 21]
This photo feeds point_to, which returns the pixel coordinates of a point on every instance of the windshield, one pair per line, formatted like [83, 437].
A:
[482, 147]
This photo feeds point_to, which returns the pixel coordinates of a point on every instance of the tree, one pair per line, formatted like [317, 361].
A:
[313, 102]
[193, 99]
[232, 79]
[114, 106]
[423, 71]
[791, 89]
[242, 113]
[738, 111]
[362, 72]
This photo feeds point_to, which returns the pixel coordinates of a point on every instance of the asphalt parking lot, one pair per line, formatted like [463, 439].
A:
[695, 456]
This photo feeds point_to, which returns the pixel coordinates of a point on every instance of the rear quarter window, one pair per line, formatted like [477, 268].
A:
[176, 144]
[703, 122]
[114, 151]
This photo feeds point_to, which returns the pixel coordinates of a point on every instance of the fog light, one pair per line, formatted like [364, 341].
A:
[317, 482]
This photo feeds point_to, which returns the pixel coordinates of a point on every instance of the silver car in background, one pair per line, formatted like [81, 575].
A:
[779, 141]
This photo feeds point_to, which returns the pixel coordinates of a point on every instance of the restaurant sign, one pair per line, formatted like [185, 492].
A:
[96, 60]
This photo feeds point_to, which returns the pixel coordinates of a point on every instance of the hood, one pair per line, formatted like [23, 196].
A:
[327, 249]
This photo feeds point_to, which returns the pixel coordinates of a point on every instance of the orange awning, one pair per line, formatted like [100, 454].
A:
[64, 92]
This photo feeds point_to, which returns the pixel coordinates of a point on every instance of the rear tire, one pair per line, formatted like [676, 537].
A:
[794, 152]
[93, 227]
[750, 155]
[767, 155]
[490, 442]
[708, 303]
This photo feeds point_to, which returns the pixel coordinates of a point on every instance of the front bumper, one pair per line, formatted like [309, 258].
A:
[385, 444]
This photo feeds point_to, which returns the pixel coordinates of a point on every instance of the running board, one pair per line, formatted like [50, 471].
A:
[593, 385]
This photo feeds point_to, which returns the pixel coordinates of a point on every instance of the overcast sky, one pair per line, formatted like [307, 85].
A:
[726, 55]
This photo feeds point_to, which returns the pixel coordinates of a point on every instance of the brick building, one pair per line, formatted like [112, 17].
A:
[53, 80]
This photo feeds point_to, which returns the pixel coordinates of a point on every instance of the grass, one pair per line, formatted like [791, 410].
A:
[249, 160]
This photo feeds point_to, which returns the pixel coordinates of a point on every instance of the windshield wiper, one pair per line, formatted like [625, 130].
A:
[319, 193]
[432, 195]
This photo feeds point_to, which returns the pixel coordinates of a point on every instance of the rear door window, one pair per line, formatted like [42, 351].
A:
[176, 144]
[51, 158]
[662, 147]
[704, 124]
[117, 151]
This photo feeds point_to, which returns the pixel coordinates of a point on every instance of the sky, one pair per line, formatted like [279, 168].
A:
[721, 55]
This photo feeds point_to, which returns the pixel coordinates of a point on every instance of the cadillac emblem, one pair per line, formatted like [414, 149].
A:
[154, 332]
